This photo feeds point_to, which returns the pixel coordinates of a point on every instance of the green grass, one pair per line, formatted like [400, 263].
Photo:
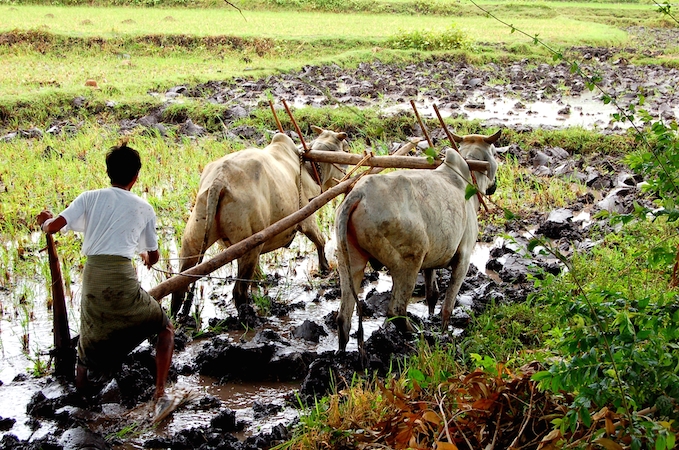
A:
[117, 21]
[79, 43]
[55, 169]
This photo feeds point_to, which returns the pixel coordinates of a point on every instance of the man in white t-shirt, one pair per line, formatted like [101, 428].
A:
[116, 313]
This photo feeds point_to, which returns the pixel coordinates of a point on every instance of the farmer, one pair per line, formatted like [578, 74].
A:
[116, 314]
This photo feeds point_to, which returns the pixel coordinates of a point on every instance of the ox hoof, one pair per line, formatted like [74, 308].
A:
[402, 324]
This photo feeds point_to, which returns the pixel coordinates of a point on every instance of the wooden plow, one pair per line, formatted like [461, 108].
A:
[64, 352]
[377, 163]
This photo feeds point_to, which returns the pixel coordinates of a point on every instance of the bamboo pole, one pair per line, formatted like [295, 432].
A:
[424, 128]
[64, 365]
[391, 161]
[235, 251]
[275, 116]
[294, 123]
[301, 138]
[445, 129]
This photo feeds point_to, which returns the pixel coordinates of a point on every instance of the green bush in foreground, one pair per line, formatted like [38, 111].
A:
[618, 343]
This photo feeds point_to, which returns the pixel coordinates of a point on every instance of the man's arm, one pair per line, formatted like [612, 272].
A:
[150, 257]
[48, 224]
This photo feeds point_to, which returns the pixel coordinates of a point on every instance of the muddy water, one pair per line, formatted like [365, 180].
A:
[586, 111]
[296, 265]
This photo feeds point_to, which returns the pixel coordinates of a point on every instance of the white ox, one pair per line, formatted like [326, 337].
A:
[409, 220]
[244, 192]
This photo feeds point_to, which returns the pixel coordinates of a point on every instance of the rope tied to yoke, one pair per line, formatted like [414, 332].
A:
[210, 277]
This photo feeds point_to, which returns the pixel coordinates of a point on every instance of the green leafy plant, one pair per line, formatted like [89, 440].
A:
[618, 340]
[40, 367]
[659, 163]
[262, 302]
[450, 39]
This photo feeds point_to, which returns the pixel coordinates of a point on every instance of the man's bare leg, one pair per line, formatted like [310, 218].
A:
[164, 350]
[81, 381]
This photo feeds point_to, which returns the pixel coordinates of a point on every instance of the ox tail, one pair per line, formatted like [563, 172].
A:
[183, 300]
[342, 232]
[213, 197]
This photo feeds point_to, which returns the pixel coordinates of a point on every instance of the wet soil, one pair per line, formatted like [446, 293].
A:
[291, 345]
[521, 95]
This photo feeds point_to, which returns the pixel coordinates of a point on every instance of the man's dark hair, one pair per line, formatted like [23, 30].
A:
[122, 164]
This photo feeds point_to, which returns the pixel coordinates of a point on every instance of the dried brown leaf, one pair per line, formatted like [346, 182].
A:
[552, 436]
[610, 426]
[432, 417]
[603, 412]
[445, 446]
[608, 444]
[484, 404]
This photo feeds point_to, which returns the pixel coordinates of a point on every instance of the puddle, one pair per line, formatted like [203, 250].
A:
[586, 111]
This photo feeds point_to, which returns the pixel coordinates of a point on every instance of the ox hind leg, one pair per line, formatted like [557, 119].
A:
[247, 265]
[403, 279]
[310, 229]
[459, 267]
[431, 289]
[351, 276]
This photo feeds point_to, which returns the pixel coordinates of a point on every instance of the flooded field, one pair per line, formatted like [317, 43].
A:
[296, 265]
[301, 286]
[252, 394]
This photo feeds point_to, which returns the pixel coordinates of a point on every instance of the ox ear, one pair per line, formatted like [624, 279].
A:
[317, 130]
[341, 136]
[457, 138]
[492, 139]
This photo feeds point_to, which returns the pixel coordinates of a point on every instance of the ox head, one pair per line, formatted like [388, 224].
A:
[481, 148]
[329, 141]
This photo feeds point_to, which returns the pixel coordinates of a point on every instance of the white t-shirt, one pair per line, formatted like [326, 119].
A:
[114, 222]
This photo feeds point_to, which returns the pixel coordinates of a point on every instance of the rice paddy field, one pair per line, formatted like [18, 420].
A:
[583, 349]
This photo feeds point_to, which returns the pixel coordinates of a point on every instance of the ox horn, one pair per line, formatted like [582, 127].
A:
[493, 138]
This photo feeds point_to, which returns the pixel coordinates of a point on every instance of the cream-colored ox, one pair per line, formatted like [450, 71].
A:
[244, 192]
[409, 220]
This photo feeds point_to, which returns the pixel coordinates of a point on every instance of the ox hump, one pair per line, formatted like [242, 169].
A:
[281, 138]
[457, 163]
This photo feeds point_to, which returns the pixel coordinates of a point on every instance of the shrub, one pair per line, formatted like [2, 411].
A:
[451, 39]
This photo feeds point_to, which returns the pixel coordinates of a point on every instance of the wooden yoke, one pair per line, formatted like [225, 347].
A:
[391, 161]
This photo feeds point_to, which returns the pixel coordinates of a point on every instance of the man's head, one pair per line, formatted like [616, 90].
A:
[122, 164]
